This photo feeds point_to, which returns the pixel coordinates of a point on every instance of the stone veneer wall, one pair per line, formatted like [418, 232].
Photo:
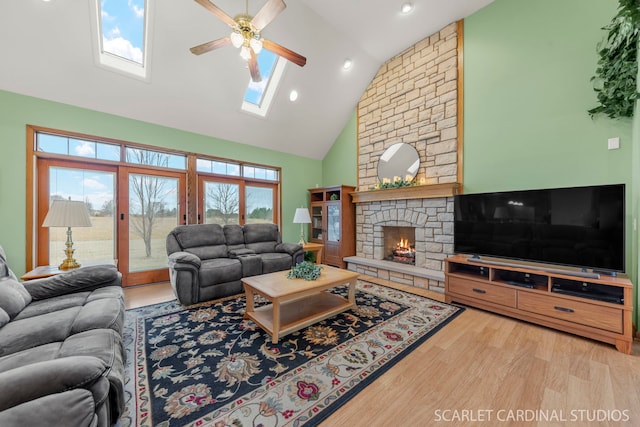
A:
[412, 99]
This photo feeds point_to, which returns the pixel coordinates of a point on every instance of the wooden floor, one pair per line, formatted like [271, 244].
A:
[487, 370]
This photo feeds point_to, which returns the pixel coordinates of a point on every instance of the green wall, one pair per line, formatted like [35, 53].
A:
[340, 165]
[527, 89]
[16, 111]
[527, 67]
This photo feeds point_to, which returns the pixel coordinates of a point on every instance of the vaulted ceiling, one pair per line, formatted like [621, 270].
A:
[47, 51]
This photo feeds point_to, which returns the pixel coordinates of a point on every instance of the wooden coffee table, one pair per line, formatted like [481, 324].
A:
[297, 303]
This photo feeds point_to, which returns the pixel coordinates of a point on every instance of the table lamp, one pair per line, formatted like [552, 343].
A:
[67, 213]
[302, 217]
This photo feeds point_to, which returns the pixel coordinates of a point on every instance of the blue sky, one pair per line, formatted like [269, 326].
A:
[266, 63]
[123, 28]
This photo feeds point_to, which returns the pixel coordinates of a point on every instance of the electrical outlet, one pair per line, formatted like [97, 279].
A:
[613, 143]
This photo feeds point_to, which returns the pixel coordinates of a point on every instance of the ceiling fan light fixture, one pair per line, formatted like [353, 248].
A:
[236, 39]
[245, 53]
[256, 45]
[406, 8]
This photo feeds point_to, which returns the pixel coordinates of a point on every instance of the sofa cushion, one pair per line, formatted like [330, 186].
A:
[104, 344]
[78, 280]
[48, 305]
[209, 252]
[219, 270]
[19, 335]
[55, 319]
[206, 241]
[262, 238]
[275, 262]
[13, 297]
[234, 235]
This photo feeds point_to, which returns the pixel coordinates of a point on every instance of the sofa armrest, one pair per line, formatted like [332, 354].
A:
[290, 248]
[184, 260]
[36, 380]
[83, 279]
[235, 253]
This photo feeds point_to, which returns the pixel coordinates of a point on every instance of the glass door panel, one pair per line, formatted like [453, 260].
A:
[97, 189]
[221, 203]
[154, 210]
[333, 223]
[258, 205]
[316, 222]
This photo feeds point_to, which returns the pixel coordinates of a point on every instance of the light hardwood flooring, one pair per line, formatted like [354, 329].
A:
[484, 369]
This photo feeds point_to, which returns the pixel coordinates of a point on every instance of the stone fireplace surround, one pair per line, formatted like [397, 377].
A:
[433, 221]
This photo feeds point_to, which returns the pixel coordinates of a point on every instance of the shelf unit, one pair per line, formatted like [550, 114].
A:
[333, 223]
[596, 308]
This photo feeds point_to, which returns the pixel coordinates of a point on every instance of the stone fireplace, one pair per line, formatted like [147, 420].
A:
[430, 219]
[413, 99]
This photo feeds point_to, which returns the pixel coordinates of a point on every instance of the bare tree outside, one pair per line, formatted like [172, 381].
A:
[147, 195]
[222, 202]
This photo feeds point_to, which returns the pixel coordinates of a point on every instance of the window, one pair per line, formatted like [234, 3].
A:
[58, 144]
[259, 95]
[141, 156]
[237, 193]
[121, 34]
[218, 167]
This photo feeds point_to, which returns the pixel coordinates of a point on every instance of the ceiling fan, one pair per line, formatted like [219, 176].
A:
[246, 35]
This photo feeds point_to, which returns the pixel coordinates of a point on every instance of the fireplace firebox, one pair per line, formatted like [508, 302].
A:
[399, 244]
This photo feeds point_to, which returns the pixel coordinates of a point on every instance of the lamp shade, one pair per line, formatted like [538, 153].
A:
[302, 216]
[67, 213]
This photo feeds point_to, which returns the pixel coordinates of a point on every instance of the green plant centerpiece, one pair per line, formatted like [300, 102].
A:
[305, 270]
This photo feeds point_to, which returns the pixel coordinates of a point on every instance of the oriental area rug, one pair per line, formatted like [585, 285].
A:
[207, 366]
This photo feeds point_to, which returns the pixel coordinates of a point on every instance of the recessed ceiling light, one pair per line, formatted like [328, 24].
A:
[347, 64]
[406, 8]
[293, 95]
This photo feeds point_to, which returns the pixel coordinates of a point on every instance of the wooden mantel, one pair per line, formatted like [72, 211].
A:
[404, 193]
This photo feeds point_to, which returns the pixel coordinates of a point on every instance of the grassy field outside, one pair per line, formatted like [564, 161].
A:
[96, 243]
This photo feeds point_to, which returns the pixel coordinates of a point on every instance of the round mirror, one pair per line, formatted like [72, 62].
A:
[400, 160]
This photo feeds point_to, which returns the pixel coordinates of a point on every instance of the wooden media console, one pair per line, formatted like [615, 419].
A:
[595, 307]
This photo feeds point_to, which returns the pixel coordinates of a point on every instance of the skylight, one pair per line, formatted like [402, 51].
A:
[259, 95]
[122, 35]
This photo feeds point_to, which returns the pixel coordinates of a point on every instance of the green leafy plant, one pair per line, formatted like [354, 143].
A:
[400, 183]
[617, 70]
[305, 270]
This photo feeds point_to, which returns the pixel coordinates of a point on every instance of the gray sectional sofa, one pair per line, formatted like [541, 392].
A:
[61, 352]
[208, 261]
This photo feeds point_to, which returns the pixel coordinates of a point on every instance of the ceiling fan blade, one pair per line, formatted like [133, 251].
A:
[284, 52]
[267, 13]
[209, 46]
[218, 12]
[253, 67]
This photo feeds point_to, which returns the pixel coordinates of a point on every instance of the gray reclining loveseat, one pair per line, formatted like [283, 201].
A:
[61, 351]
[208, 261]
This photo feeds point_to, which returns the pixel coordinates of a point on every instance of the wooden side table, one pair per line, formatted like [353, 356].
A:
[53, 270]
[315, 248]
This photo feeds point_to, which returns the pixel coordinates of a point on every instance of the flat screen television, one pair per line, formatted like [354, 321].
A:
[577, 226]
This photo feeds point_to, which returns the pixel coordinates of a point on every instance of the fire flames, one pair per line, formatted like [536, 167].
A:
[403, 252]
